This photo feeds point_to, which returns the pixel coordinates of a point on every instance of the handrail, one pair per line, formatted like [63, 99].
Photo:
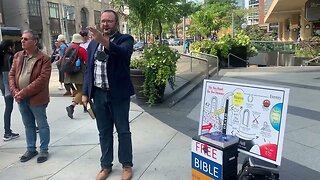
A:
[237, 58]
[198, 58]
[209, 55]
[186, 55]
[311, 60]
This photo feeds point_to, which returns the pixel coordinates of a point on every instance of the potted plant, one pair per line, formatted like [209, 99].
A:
[158, 66]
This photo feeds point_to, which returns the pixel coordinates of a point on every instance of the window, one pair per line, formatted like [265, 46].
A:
[84, 20]
[69, 12]
[97, 15]
[53, 10]
[34, 7]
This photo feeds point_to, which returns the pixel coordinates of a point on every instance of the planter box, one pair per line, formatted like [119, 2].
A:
[137, 78]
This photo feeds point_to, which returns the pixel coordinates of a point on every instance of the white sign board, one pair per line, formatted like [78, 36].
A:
[256, 114]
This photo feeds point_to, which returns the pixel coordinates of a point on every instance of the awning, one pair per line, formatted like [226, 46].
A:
[283, 9]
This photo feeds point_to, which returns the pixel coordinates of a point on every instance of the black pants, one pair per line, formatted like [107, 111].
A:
[61, 74]
[69, 86]
[7, 114]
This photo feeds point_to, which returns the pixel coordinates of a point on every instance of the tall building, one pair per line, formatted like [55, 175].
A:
[240, 3]
[253, 17]
[49, 18]
[297, 19]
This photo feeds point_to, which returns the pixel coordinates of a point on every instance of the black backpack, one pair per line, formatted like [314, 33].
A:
[69, 62]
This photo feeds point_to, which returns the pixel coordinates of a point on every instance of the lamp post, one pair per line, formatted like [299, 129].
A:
[184, 28]
[65, 10]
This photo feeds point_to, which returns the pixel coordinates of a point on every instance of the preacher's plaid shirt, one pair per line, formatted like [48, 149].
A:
[100, 70]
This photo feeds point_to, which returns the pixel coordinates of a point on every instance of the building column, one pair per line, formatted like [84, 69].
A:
[285, 33]
[294, 25]
[305, 33]
[280, 31]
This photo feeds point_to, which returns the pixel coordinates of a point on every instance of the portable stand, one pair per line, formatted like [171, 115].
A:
[211, 161]
[257, 169]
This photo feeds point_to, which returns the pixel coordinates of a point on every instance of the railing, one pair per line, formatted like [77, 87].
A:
[314, 60]
[212, 60]
[230, 54]
[270, 46]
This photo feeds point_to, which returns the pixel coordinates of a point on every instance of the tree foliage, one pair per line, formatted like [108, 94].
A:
[213, 16]
[152, 14]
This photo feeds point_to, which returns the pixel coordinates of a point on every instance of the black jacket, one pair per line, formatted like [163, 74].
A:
[6, 62]
[118, 70]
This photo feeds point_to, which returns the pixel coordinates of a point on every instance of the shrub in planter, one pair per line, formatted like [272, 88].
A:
[158, 64]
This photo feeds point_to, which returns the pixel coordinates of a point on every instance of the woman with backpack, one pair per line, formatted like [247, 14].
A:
[6, 58]
[75, 77]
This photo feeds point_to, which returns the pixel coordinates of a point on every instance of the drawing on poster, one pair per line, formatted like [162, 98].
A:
[256, 114]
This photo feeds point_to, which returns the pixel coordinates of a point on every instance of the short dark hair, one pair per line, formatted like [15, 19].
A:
[83, 33]
[115, 14]
[5, 45]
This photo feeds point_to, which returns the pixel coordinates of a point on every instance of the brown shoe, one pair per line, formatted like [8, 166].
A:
[68, 93]
[127, 173]
[73, 93]
[103, 174]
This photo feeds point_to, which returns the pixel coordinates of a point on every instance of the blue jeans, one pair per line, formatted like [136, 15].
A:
[110, 112]
[31, 115]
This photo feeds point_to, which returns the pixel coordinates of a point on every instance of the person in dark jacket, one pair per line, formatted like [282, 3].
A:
[6, 58]
[107, 81]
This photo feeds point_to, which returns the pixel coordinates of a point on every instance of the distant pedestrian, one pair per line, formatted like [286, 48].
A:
[85, 38]
[62, 50]
[107, 81]
[76, 78]
[7, 49]
[56, 59]
[187, 47]
[29, 85]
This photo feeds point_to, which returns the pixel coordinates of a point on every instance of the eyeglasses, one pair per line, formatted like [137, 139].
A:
[108, 21]
[25, 39]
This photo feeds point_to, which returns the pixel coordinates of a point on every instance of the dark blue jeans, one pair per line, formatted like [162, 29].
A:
[7, 114]
[30, 115]
[110, 112]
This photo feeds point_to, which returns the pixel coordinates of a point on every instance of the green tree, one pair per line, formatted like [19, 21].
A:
[211, 18]
[141, 9]
[152, 14]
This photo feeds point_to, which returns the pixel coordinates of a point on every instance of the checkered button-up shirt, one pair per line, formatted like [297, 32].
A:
[100, 71]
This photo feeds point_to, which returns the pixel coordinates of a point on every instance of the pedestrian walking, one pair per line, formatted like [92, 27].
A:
[62, 50]
[29, 85]
[76, 78]
[187, 47]
[107, 81]
[7, 49]
[56, 59]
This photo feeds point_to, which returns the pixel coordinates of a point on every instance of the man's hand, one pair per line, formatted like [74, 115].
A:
[102, 38]
[18, 97]
[97, 35]
[85, 100]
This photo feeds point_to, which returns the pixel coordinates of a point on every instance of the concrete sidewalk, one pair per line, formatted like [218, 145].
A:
[160, 152]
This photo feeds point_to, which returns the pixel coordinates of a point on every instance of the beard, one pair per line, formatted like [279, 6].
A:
[110, 32]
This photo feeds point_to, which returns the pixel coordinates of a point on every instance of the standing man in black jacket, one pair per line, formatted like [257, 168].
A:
[107, 81]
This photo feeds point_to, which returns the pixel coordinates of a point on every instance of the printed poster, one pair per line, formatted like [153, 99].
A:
[256, 114]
